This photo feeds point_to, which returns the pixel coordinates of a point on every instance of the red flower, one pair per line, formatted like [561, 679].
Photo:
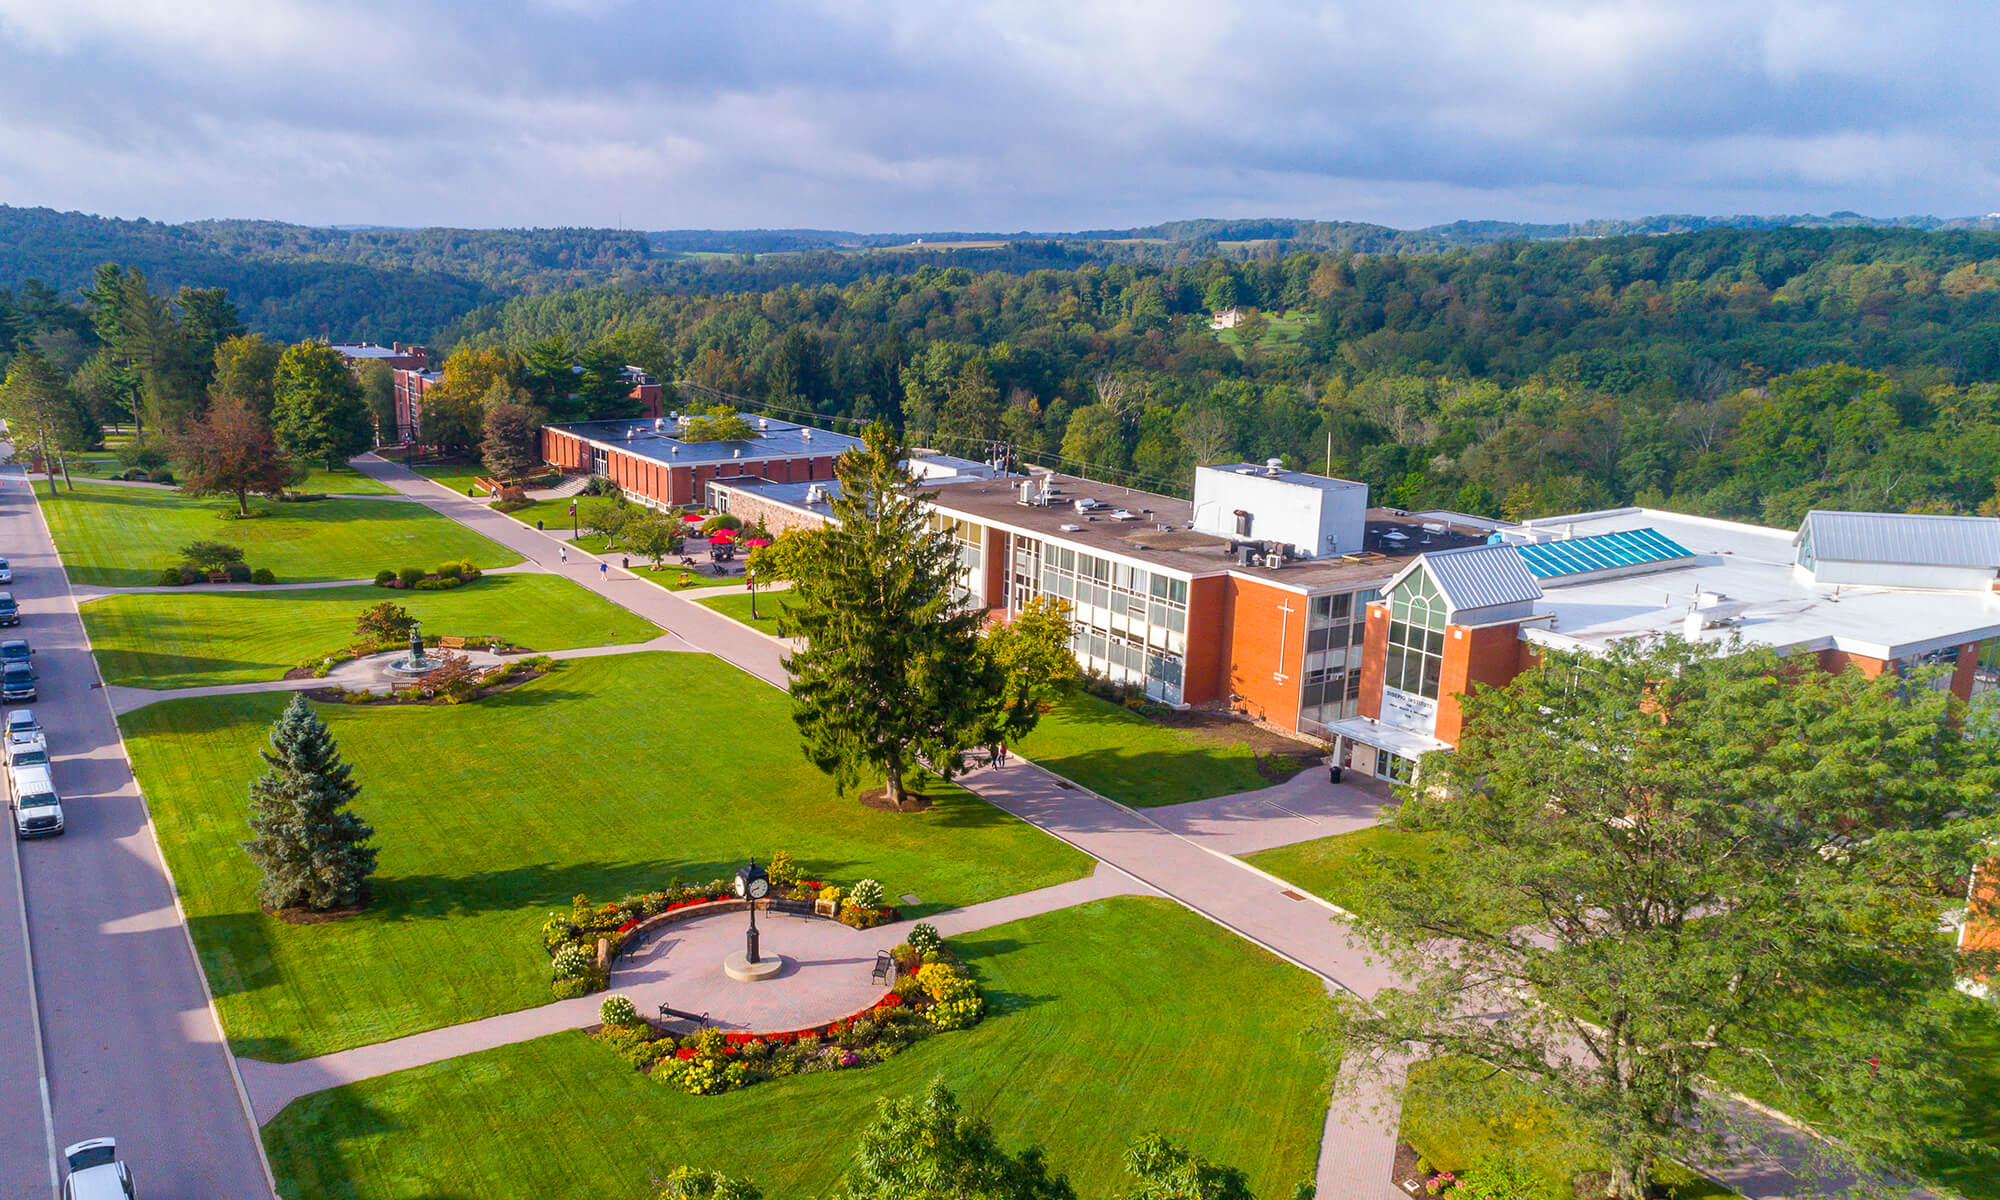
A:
[685, 1052]
[629, 926]
[891, 1000]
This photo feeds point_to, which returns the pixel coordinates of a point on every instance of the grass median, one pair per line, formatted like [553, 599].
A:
[607, 777]
[116, 536]
[1105, 1021]
[201, 639]
[1118, 753]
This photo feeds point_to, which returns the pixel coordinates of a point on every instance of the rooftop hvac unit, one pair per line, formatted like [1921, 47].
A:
[1123, 515]
[806, 433]
[736, 453]
[659, 425]
[1084, 504]
[1067, 528]
[763, 422]
[1024, 492]
[1274, 561]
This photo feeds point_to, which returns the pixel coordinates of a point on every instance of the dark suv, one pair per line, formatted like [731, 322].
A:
[10, 612]
[17, 683]
[16, 650]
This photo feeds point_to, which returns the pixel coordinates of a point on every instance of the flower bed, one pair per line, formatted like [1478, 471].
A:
[939, 993]
[640, 912]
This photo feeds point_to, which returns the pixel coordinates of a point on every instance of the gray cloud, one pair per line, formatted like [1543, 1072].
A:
[1002, 114]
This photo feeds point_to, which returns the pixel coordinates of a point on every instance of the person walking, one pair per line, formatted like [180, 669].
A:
[564, 551]
[603, 571]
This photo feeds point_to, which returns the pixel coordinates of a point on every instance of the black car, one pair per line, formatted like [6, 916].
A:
[10, 612]
[17, 683]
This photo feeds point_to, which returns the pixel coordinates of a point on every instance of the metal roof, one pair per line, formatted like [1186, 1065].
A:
[1481, 576]
[1908, 539]
[1602, 552]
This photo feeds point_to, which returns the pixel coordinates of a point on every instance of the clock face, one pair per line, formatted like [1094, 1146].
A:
[758, 887]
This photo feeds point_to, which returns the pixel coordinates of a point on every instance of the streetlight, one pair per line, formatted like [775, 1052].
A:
[752, 884]
[750, 581]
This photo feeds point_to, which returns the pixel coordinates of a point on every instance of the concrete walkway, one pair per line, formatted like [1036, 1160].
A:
[828, 977]
[1304, 808]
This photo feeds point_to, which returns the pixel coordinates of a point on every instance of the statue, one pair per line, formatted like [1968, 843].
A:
[416, 646]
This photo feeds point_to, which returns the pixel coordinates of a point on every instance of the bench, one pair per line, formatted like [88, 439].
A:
[451, 643]
[802, 909]
[885, 969]
[668, 1013]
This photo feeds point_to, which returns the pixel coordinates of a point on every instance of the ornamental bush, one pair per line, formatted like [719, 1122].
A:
[783, 871]
[571, 962]
[570, 989]
[924, 937]
[867, 894]
[171, 577]
[384, 577]
[410, 576]
[618, 1010]
[263, 575]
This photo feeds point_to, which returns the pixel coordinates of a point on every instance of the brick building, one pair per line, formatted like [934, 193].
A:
[653, 465]
[396, 356]
[413, 381]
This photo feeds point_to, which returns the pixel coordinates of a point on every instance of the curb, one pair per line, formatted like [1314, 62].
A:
[166, 869]
[35, 1011]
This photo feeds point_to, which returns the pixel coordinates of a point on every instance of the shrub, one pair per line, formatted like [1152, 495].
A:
[722, 521]
[783, 871]
[1499, 1178]
[211, 556]
[569, 989]
[689, 1183]
[856, 917]
[453, 678]
[908, 988]
[384, 622]
[867, 893]
[703, 1077]
[557, 930]
[263, 575]
[618, 1010]
[384, 577]
[511, 498]
[451, 570]
[571, 962]
[238, 572]
[171, 577]
[924, 938]
[409, 576]
[602, 485]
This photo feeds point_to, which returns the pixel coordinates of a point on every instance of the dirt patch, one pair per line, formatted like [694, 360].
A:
[315, 916]
[1278, 756]
[1405, 1174]
[878, 798]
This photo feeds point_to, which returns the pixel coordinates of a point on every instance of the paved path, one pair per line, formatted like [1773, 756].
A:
[829, 977]
[132, 1044]
[1305, 807]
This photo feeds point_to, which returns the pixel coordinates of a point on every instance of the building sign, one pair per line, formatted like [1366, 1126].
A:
[1407, 710]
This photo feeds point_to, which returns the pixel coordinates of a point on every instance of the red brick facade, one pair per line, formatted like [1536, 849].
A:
[1265, 630]
[675, 484]
[1489, 654]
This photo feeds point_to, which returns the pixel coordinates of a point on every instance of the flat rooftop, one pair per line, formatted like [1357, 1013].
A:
[1393, 537]
[1753, 566]
[774, 439]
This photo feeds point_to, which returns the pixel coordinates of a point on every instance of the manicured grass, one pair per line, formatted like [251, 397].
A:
[456, 476]
[115, 536]
[199, 639]
[1105, 1021]
[345, 481]
[611, 775]
[1342, 868]
[1120, 754]
[1457, 1114]
[736, 606]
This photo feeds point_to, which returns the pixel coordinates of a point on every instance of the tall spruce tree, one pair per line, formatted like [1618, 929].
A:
[891, 668]
[312, 850]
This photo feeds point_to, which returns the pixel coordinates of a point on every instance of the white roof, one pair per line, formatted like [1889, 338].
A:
[1752, 566]
[1370, 732]
[1911, 539]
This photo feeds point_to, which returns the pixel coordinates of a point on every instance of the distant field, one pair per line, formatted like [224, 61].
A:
[1280, 329]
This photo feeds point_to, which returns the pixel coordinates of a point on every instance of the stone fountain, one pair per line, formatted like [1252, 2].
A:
[414, 665]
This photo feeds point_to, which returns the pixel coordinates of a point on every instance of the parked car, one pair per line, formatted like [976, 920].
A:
[37, 809]
[95, 1172]
[10, 612]
[17, 683]
[6, 571]
[17, 650]
[21, 724]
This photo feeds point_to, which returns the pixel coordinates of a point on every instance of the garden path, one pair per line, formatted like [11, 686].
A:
[1187, 864]
[829, 977]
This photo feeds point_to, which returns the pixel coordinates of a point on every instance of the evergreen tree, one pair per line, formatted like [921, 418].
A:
[311, 849]
[43, 412]
[892, 667]
[317, 410]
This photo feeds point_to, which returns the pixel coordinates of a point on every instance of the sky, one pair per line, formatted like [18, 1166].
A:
[1001, 115]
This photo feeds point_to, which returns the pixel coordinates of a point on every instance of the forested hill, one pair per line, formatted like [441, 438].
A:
[1743, 373]
[294, 281]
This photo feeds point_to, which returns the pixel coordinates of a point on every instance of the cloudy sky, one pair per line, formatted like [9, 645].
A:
[903, 115]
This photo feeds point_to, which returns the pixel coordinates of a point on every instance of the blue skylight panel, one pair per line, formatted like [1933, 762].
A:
[1601, 552]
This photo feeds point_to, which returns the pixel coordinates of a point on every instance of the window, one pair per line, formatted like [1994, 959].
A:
[1417, 618]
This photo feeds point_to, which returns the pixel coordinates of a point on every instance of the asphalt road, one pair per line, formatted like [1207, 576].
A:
[132, 1050]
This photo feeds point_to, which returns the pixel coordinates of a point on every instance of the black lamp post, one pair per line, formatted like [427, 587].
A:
[753, 885]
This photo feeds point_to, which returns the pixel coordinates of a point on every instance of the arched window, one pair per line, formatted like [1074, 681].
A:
[1417, 618]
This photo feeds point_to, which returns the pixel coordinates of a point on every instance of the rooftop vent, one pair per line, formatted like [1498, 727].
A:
[763, 422]
[736, 453]
[1124, 515]
[1273, 465]
[806, 433]
[1084, 504]
[1068, 528]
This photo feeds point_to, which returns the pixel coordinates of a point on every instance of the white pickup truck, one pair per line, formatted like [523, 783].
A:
[37, 809]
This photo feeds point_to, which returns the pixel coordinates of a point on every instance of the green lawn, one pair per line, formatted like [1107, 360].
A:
[1120, 754]
[1282, 329]
[1340, 868]
[456, 476]
[116, 536]
[736, 606]
[1458, 1114]
[610, 776]
[1106, 1021]
[346, 481]
[198, 639]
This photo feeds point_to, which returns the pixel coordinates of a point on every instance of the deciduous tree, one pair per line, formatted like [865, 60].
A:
[925, 1148]
[720, 423]
[1033, 666]
[41, 411]
[1726, 866]
[891, 666]
[317, 412]
[229, 451]
[313, 852]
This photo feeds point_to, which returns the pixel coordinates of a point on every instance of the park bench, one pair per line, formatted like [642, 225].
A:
[885, 969]
[451, 643]
[669, 1013]
[218, 577]
[802, 909]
